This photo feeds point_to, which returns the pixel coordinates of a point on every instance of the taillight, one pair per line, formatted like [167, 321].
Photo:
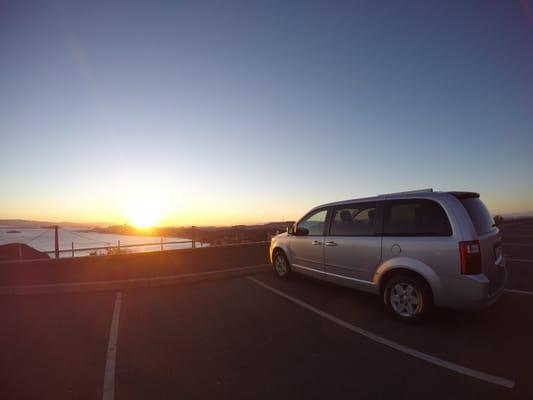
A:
[470, 257]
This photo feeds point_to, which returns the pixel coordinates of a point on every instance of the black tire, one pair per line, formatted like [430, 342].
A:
[281, 265]
[407, 297]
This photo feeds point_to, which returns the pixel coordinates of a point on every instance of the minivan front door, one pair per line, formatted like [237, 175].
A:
[307, 250]
[352, 250]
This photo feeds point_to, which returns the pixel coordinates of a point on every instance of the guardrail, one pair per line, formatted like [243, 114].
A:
[112, 249]
[109, 249]
[103, 248]
[160, 250]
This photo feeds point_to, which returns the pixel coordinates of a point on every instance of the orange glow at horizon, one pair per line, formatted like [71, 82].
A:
[149, 203]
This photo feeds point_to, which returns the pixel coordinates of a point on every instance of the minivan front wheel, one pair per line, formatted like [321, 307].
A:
[281, 265]
[407, 297]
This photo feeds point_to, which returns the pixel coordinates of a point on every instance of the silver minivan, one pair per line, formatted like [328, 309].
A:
[415, 249]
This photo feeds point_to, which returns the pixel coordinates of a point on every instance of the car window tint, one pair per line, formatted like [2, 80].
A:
[354, 220]
[314, 223]
[415, 218]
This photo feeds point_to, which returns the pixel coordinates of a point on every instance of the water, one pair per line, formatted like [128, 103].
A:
[43, 240]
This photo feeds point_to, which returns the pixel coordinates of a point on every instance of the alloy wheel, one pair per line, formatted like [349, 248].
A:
[405, 300]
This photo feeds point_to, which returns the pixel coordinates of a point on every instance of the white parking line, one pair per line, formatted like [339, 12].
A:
[524, 260]
[396, 346]
[518, 291]
[510, 234]
[109, 375]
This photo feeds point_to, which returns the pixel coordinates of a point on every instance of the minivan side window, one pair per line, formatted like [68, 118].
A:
[354, 220]
[415, 217]
[314, 223]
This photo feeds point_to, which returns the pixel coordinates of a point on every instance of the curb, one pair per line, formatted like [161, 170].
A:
[80, 287]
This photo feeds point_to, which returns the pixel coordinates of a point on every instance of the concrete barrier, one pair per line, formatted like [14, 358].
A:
[97, 286]
[134, 266]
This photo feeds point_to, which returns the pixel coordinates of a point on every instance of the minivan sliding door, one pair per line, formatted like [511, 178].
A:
[353, 246]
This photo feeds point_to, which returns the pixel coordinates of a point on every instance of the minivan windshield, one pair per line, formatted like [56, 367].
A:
[479, 214]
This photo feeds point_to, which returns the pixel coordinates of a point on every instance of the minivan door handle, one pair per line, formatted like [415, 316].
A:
[316, 242]
[330, 243]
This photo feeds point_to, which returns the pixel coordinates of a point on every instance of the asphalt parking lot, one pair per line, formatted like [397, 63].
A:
[260, 337]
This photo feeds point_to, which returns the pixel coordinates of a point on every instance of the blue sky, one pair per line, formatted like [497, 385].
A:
[244, 111]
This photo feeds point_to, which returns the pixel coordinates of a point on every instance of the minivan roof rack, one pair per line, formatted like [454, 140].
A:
[407, 192]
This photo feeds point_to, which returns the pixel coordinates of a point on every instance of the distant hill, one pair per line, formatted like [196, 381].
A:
[25, 223]
[20, 251]
[207, 234]
[512, 216]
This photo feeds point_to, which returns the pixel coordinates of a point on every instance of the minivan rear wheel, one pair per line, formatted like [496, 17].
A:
[281, 264]
[408, 297]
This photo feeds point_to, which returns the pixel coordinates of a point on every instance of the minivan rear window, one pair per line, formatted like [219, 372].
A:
[417, 217]
[479, 214]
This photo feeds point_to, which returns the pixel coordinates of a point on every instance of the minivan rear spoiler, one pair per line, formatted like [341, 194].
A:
[465, 195]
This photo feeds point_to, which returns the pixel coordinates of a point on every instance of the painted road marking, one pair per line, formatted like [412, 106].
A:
[525, 260]
[510, 234]
[109, 375]
[396, 346]
[518, 291]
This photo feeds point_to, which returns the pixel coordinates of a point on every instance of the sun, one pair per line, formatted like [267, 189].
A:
[143, 212]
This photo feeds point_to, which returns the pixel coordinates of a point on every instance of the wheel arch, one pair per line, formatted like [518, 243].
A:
[279, 247]
[408, 266]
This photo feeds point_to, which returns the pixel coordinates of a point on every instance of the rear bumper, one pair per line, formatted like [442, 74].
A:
[474, 292]
[496, 288]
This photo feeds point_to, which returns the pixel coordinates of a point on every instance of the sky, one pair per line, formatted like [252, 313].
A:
[213, 113]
